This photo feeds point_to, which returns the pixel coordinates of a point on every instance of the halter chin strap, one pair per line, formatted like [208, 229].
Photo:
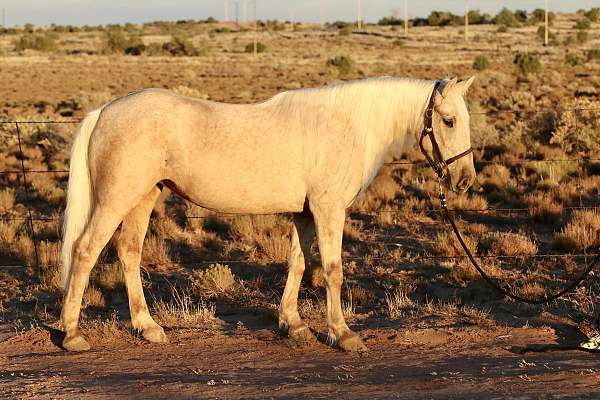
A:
[436, 161]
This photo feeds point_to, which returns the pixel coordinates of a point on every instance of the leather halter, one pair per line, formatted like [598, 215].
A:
[436, 161]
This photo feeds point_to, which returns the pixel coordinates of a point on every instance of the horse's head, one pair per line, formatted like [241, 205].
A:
[452, 132]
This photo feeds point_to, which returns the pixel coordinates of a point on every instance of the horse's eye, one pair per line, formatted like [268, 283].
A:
[449, 122]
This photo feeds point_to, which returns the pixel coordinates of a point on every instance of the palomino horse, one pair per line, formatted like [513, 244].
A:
[307, 152]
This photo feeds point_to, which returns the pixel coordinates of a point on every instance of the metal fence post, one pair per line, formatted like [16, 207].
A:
[27, 197]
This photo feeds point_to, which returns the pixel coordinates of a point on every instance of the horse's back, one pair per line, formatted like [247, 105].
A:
[227, 157]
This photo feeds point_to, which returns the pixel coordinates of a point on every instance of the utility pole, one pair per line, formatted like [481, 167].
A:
[255, 32]
[546, 23]
[237, 12]
[3, 17]
[405, 17]
[322, 13]
[226, 5]
[466, 20]
[359, 15]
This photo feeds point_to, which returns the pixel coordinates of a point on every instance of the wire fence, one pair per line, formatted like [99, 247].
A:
[30, 216]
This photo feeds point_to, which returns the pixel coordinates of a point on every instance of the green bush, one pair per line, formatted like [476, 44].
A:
[260, 47]
[35, 41]
[502, 29]
[572, 59]
[343, 63]
[593, 14]
[583, 23]
[527, 63]
[481, 63]
[443, 18]
[593, 54]
[117, 42]
[506, 18]
[386, 21]
[541, 32]
[537, 16]
[582, 36]
[345, 31]
[180, 46]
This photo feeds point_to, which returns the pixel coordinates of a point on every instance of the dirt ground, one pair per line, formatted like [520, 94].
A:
[446, 335]
[437, 361]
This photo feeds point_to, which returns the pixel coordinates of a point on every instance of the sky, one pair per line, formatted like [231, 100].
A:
[81, 12]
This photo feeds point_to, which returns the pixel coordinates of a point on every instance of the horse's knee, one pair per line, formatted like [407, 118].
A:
[128, 249]
[82, 256]
[333, 274]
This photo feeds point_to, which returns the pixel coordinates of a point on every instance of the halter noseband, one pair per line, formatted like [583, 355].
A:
[436, 161]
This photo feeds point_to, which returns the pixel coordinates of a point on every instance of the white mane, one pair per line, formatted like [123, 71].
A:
[383, 113]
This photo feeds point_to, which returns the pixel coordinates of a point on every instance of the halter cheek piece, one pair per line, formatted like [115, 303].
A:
[436, 161]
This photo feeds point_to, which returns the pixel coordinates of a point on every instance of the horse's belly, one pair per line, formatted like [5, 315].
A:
[241, 191]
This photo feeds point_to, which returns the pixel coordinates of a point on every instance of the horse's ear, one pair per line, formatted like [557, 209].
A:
[448, 86]
[464, 86]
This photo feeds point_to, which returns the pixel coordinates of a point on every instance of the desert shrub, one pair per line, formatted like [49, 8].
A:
[446, 244]
[593, 14]
[582, 36]
[578, 126]
[266, 237]
[182, 310]
[541, 33]
[118, 42]
[260, 47]
[385, 21]
[573, 59]
[343, 63]
[527, 63]
[40, 42]
[494, 177]
[593, 54]
[345, 31]
[443, 18]
[506, 18]
[180, 46]
[542, 207]
[7, 199]
[502, 29]
[583, 24]
[216, 280]
[537, 16]
[480, 63]
[507, 244]
[580, 233]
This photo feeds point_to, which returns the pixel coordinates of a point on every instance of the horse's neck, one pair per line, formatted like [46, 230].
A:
[389, 114]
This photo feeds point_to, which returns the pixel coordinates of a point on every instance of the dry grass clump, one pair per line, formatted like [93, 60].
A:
[507, 244]
[214, 281]
[181, 310]
[398, 303]
[543, 207]
[578, 127]
[92, 297]
[494, 177]
[464, 201]
[25, 249]
[155, 251]
[109, 276]
[7, 200]
[446, 244]
[267, 236]
[580, 233]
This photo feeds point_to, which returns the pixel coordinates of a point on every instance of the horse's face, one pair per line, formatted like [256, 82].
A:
[451, 127]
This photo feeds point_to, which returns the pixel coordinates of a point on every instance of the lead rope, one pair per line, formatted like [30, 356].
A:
[594, 343]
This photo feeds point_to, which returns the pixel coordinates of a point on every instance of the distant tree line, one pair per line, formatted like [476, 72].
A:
[505, 17]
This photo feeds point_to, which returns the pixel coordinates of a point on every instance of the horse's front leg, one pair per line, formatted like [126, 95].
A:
[329, 221]
[303, 233]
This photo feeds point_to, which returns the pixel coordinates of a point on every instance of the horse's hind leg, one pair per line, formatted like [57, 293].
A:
[303, 233]
[129, 248]
[102, 224]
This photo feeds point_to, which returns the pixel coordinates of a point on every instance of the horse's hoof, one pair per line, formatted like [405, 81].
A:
[155, 335]
[302, 336]
[351, 342]
[75, 343]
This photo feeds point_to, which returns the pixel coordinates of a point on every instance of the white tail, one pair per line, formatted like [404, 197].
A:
[79, 195]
